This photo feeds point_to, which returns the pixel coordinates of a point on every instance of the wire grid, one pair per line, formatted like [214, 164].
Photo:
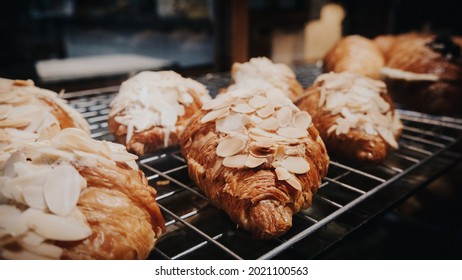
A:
[198, 230]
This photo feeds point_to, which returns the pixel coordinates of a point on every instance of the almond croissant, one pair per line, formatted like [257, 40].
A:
[257, 157]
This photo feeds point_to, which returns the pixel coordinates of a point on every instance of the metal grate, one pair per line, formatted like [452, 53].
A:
[350, 195]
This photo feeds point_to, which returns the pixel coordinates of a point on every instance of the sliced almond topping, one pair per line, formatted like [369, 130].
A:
[297, 165]
[301, 120]
[23, 83]
[280, 153]
[237, 161]
[266, 111]
[232, 122]
[284, 116]
[276, 96]
[256, 120]
[269, 124]
[230, 146]
[387, 135]
[218, 103]
[33, 196]
[33, 239]
[253, 162]
[242, 108]
[282, 173]
[14, 123]
[58, 228]
[212, 115]
[264, 144]
[44, 249]
[21, 255]
[49, 132]
[259, 152]
[294, 182]
[292, 132]
[258, 101]
[62, 189]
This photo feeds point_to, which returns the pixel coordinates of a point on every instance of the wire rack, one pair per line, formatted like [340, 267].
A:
[349, 196]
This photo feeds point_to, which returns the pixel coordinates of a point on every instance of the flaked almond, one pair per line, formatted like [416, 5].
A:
[5, 110]
[387, 135]
[301, 120]
[297, 165]
[282, 174]
[284, 116]
[258, 101]
[230, 146]
[269, 124]
[264, 144]
[212, 115]
[255, 119]
[280, 152]
[33, 239]
[292, 132]
[21, 255]
[253, 162]
[276, 96]
[14, 123]
[58, 228]
[62, 189]
[33, 196]
[231, 122]
[266, 110]
[218, 103]
[242, 108]
[44, 249]
[294, 182]
[259, 152]
[236, 161]
[49, 132]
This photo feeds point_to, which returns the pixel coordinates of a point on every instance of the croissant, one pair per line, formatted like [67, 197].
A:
[354, 54]
[427, 68]
[257, 157]
[354, 115]
[152, 109]
[71, 197]
[261, 73]
[25, 110]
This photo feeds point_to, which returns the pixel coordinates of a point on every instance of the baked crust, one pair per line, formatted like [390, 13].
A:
[355, 54]
[152, 109]
[153, 138]
[121, 210]
[442, 95]
[355, 145]
[253, 198]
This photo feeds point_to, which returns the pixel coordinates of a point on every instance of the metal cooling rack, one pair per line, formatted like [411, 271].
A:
[350, 195]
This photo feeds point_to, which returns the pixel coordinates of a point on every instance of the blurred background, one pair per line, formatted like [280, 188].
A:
[77, 44]
[56, 40]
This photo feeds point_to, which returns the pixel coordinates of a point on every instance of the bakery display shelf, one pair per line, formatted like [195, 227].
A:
[350, 195]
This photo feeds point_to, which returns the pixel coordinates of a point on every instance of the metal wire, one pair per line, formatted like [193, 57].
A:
[424, 138]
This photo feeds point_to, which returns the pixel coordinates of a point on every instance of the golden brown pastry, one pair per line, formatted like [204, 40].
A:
[424, 72]
[25, 110]
[261, 73]
[71, 197]
[355, 54]
[152, 109]
[257, 157]
[354, 115]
